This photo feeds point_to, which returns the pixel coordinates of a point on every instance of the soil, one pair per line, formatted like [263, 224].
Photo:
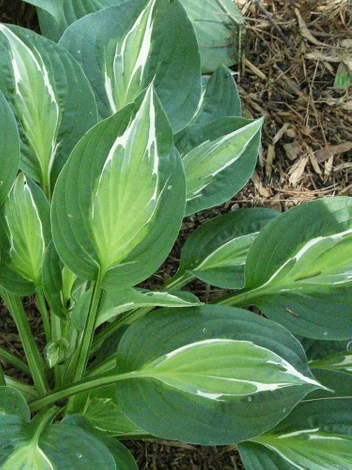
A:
[291, 55]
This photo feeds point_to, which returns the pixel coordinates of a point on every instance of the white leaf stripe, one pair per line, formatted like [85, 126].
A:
[127, 192]
[211, 260]
[298, 261]
[124, 79]
[203, 163]
[35, 101]
[215, 367]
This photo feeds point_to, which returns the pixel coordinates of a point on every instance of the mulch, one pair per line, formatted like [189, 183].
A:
[292, 52]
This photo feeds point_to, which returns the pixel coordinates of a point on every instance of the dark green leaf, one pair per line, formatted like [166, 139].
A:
[9, 148]
[216, 252]
[126, 47]
[253, 373]
[298, 270]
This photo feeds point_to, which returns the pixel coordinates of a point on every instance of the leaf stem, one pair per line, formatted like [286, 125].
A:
[13, 360]
[87, 384]
[241, 299]
[88, 332]
[44, 314]
[35, 360]
[2, 377]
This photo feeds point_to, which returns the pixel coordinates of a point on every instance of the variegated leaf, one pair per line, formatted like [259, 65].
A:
[53, 7]
[51, 98]
[115, 303]
[127, 63]
[299, 270]
[9, 148]
[221, 368]
[26, 228]
[130, 193]
[231, 367]
[120, 217]
[340, 362]
[38, 444]
[216, 252]
[128, 46]
[218, 158]
[35, 101]
[317, 435]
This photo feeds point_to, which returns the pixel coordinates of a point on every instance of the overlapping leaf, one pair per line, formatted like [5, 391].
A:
[118, 207]
[51, 97]
[219, 44]
[126, 47]
[39, 444]
[216, 252]
[299, 269]
[219, 159]
[232, 368]
[317, 435]
[53, 7]
[25, 234]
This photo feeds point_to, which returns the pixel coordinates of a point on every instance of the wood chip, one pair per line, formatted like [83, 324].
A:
[270, 157]
[328, 166]
[255, 70]
[315, 164]
[297, 170]
[264, 192]
[324, 154]
[305, 31]
[280, 133]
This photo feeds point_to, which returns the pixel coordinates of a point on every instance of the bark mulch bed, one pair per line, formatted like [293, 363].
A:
[292, 52]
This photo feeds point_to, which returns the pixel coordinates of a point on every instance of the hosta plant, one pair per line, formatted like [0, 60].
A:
[108, 139]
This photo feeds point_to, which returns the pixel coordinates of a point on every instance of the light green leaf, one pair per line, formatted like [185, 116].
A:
[25, 219]
[120, 212]
[102, 410]
[221, 368]
[299, 270]
[53, 7]
[9, 148]
[51, 98]
[39, 444]
[115, 303]
[216, 252]
[220, 161]
[340, 362]
[127, 47]
[232, 368]
[317, 435]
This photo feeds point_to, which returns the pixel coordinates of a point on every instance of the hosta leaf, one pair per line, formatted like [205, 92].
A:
[126, 47]
[299, 269]
[319, 349]
[340, 362]
[38, 444]
[120, 211]
[219, 159]
[231, 367]
[218, 28]
[219, 99]
[123, 458]
[9, 148]
[316, 435]
[115, 303]
[58, 282]
[53, 7]
[102, 410]
[26, 232]
[216, 252]
[51, 97]
[220, 44]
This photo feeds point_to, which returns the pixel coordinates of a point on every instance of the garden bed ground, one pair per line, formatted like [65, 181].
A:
[292, 52]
